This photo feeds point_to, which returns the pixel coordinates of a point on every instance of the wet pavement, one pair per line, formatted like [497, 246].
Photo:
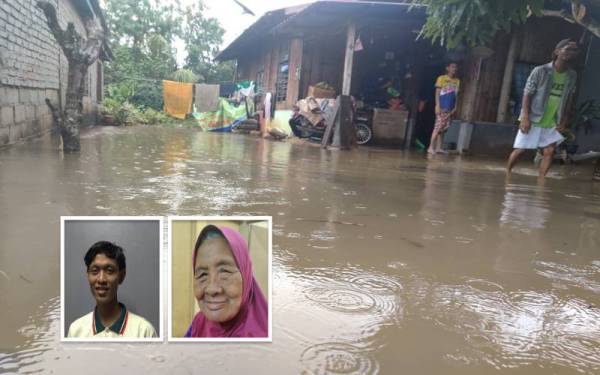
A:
[383, 261]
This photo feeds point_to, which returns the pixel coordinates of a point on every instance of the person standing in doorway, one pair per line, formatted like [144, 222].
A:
[446, 95]
[546, 101]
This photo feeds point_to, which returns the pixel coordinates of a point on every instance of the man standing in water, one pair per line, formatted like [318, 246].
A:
[546, 101]
[106, 267]
[446, 94]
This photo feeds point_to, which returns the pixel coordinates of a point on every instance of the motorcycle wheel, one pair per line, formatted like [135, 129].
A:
[363, 133]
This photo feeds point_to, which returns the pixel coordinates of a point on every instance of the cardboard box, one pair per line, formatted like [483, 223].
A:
[389, 127]
[316, 92]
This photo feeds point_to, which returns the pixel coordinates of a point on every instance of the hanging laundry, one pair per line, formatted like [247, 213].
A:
[224, 119]
[178, 98]
[206, 97]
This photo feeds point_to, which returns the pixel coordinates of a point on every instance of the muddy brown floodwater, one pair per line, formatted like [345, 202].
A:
[383, 261]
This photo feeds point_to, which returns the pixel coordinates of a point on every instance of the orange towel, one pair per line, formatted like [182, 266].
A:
[178, 98]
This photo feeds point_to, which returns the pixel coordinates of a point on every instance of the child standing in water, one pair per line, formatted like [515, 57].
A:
[446, 94]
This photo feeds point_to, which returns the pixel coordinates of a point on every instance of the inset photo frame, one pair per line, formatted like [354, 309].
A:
[220, 279]
[111, 278]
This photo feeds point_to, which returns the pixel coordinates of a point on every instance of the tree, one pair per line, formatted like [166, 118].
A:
[476, 22]
[80, 52]
[216, 72]
[202, 37]
[142, 34]
[184, 75]
[132, 21]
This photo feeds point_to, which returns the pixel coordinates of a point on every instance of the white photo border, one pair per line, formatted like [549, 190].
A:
[160, 220]
[269, 220]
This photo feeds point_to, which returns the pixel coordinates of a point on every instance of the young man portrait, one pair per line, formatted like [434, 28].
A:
[106, 270]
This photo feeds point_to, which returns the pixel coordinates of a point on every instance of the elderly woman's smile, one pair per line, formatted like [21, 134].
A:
[218, 282]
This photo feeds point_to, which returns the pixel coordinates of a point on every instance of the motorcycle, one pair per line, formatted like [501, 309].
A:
[308, 121]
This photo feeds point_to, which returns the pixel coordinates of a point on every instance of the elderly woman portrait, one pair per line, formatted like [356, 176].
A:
[229, 300]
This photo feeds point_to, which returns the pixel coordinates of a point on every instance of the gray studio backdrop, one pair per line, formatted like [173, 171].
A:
[140, 241]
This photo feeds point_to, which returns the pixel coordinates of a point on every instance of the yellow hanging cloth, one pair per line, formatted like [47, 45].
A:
[178, 98]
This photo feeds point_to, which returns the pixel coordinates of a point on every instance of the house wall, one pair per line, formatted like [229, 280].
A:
[323, 60]
[33, 68]
[590, 83]
[481, 86]
[268, 59]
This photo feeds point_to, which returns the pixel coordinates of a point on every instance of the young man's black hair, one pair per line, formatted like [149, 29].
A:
[107, 248]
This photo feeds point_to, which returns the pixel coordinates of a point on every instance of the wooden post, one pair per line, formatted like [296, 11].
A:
[295, 67]
[348, 59]
[344, 135]
[330, 120]
[469, 91]
[507, 80]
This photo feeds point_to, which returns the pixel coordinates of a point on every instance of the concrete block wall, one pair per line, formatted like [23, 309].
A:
[33, 68]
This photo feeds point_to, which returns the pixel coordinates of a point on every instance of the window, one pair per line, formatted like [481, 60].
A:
[282, 77]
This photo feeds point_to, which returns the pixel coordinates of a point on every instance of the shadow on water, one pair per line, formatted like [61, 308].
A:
[383, 261]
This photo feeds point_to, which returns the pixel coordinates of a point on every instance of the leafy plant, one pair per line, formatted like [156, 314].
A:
[151, 117]
[184, 75]
[118, 113]
[120, 92]
[148, 94]
[476, 22]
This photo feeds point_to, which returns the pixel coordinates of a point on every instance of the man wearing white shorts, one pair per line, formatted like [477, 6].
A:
[546, 101]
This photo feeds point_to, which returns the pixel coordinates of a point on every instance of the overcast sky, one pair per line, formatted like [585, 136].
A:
[232, 18]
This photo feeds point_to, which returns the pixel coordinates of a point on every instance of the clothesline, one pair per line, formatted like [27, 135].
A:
[160, 80]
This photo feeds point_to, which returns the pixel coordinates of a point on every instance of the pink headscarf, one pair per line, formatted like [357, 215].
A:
[252, 319]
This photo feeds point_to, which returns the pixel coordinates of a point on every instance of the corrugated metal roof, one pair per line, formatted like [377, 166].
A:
[317, 14]
[258, 30]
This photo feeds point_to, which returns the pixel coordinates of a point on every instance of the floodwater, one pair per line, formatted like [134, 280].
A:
[383, 261]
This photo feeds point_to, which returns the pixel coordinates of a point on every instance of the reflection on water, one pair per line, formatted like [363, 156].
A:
[508, 330]
[383, 261]
[525, 207]
[40, 330]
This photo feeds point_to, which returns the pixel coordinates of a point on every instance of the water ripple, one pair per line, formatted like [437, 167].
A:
[586, 277]
[512, 329]
[338, 358]
[375, 283]
[341, 300]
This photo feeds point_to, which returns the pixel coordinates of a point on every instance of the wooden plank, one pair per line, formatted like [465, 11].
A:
[295, 67]
[348, 58]
[507, 78]
[330, 120]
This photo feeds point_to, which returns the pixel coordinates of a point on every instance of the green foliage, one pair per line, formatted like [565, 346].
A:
[152, 117]
[126, 113]
[142, 37]
[474, 22]
[148, 94]
[120, 92]
[210, 72]
[132, 21]
[116, 111]
[184, 75]
[202, 37]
